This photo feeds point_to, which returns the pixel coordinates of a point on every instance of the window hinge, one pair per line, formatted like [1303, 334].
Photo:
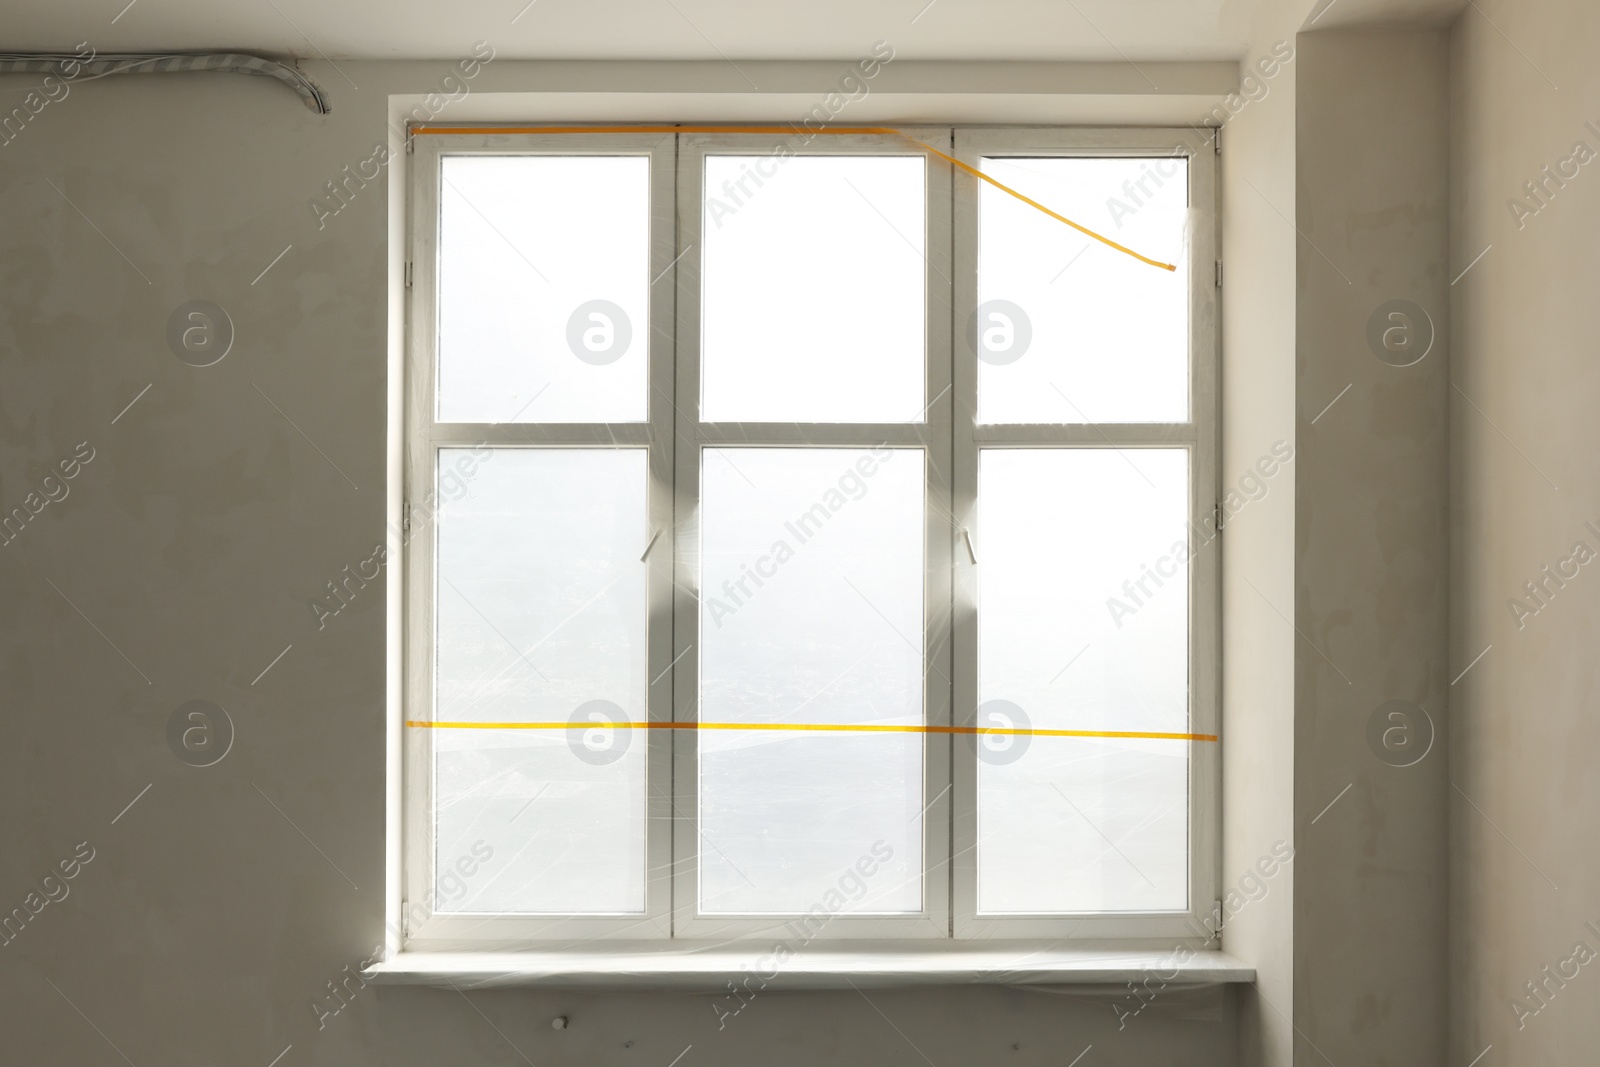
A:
[405, 517]
[1216, 516]
[405, 918]
[1216, 140]
[408, 274]
[1219, 274]
[411, 140]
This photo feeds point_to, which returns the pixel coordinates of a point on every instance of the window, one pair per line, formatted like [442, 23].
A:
[807, 535]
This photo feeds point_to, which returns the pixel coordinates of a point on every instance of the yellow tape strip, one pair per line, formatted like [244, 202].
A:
[791, 131]
[797, 726]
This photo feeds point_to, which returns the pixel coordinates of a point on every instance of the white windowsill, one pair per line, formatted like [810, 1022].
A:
[810, 968]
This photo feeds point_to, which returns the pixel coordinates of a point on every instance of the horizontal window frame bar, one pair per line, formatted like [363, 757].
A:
[515, 435]
[821, 434]
[1079, 435]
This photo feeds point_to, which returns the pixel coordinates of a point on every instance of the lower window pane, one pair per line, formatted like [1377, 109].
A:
[811, 614]
[1083, 624]
[540, 608]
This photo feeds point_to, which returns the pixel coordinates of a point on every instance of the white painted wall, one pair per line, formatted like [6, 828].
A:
[1258, 390]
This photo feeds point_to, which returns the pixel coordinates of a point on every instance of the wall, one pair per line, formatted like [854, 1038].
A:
[220, 905]
[1524, 438]
[1258, 391]
[1370, 533]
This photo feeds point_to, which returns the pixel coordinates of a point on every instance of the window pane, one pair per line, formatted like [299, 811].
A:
[811, 613]
[544, 277]
[540, 608]
[812, 308]
[1067, 329]
[1083, 625]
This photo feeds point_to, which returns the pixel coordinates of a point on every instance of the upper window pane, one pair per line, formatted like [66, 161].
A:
[1068, 330]
[544, 278]
[814, 277]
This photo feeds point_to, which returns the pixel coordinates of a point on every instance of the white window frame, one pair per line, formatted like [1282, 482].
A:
[932, 435]
[675, 438]
[1200, 436]
[424, 436]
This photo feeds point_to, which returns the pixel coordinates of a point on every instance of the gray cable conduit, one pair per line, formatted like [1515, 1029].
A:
[58, 63]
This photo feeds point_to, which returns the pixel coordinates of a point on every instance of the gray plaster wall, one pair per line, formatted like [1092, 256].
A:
[1524, 445]
[218, 907]
[1371, 589]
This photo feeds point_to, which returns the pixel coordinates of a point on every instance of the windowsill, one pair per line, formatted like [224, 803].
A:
[711, 968]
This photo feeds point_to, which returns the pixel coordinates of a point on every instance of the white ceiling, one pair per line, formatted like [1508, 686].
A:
[643, 29]
[671, 29]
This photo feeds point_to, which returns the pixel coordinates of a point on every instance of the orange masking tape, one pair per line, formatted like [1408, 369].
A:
[828, 727]
[789, 130]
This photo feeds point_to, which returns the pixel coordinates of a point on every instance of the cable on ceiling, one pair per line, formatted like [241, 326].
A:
[166, 63]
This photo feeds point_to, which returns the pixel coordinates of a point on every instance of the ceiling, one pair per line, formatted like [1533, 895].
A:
[673, 29]
[644, 29]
